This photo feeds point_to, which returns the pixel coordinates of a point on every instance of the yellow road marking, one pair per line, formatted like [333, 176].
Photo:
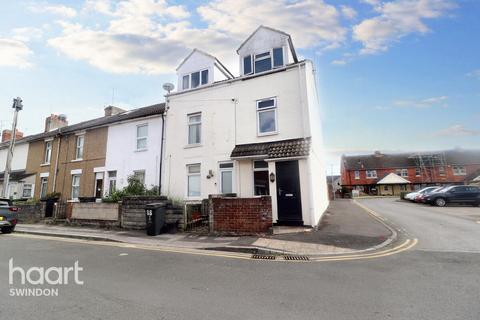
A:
[407, 244]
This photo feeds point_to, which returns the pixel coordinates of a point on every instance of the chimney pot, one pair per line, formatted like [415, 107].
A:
[112, 110]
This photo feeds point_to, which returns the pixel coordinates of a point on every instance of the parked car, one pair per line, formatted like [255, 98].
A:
[8, 216]
[420, 198]
[412, 195]
[454, 194]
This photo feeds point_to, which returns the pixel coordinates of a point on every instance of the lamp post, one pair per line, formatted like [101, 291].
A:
[17, 105]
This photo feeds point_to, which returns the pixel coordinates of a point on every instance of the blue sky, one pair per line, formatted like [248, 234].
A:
[392, 75]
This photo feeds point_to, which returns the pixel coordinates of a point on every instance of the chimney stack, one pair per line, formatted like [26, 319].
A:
[378, 154]
[7, 135]
[112, 110]
[55, 122]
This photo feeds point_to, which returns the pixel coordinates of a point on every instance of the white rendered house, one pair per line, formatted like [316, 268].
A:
[256, 134]
[21, 185]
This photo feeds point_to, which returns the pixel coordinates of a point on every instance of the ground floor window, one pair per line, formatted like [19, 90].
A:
[43, 187]
[193, 180]
[75, 186]
[27, 190]
[139, 176]
[226, 177]
[112, 181]
[260, 178]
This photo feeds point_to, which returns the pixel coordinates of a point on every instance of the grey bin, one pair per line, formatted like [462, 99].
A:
[155, 218]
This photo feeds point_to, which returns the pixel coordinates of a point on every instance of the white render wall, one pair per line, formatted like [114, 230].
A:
[123, 157]
[19, 160]
[229, 118]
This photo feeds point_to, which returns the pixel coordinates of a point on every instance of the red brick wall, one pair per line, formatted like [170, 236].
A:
[348, 176]
[241, 215]
[7, 135]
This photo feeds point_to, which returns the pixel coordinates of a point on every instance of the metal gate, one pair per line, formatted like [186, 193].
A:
[60, 210]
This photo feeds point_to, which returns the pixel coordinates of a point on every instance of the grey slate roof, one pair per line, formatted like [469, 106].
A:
[273, 150]
[98, 122]
[404, 160]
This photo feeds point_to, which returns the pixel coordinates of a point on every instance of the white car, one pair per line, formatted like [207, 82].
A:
[412, 195]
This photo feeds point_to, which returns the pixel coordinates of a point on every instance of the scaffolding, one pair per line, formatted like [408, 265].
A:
[427, 163]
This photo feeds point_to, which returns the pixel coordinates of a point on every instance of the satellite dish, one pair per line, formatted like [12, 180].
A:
[168, 87]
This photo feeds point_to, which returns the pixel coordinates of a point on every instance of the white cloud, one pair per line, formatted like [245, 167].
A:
[339, 62]
[474, 74]
[14, 53]
[27, 34]
[456, 130]
[440, 101]
[348, 12]
[395, 20]
[60, 10]
[310, 22]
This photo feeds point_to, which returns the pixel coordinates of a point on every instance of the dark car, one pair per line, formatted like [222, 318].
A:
[454, 194]
[8, 216]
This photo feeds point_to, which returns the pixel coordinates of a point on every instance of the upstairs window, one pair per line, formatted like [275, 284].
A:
[418, 172]
[277, 57]
[441, 170]
[371, 174]
[48, 152]
[357, 175]
[247, 65]
[402, 172]
[79, 147]
[195, 79]
[194, 128]
[459, 171]
[142, 136]
[263, 62]
[267, 116]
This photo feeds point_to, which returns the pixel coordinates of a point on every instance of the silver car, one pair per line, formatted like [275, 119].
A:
[8, 216]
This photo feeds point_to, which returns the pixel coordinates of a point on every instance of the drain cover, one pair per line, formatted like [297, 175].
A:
[263, 256]
[296, 258]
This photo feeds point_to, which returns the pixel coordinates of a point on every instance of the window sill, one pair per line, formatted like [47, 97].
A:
[195, 145]
[266, 134]
[76, 160]
[44, 164]
[141, 150]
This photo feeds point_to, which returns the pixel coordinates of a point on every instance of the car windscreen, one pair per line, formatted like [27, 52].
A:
[4, 203]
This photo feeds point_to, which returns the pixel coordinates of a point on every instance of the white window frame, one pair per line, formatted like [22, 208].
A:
[189, 174]
[75, 186]
[251, 64]
[270, 55]
[110, 180]
[200, 84]
[441, 170]
[142, 172]
[138, 138]
[274, 108]
[418, 172]
[28, 186]
[47, 157]
[189, 116]
[43, 187]
[222, 170]
[459, 170]
[257, 170]
[402, 172]
[79, 145]
[371, 174]
[357, 174]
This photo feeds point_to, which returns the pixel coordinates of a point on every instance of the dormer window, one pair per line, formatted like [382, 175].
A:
[263, 61]
[195, 79]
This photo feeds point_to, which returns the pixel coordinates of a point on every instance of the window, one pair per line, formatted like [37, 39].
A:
[186, 82]
[193, 180]
[142, 136]
[277, 57]
[418, 172]
[48, 152]
[204, 77]
[226, 177]
[139, 175]
[441, 170]
[75, 186]
[112, 181]
[260, 178]
[385, 188]
[357, 175]
[267, 116]
[263, 62]
[247, 64]
[195, 79]
[27, 190]
[459, 171]
[194, 128]
[402, 172]
[43, 187]
[371, 174]
[79, 147]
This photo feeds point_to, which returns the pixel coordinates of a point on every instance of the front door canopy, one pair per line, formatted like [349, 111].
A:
[291, 148]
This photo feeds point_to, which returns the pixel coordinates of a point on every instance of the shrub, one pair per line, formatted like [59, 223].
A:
[134, 188]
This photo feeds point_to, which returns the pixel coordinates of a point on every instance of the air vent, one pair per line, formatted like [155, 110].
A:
[263, 256]
[296, 258]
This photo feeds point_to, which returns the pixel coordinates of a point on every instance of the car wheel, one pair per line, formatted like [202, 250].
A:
[7, 229]
[440, 202]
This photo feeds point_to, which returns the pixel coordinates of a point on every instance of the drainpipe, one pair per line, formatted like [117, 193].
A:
[161, 151]
[57, 157]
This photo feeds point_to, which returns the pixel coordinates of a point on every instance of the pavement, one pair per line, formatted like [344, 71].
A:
[345, 229]
[437, 279]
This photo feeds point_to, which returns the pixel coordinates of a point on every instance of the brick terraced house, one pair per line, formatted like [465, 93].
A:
[364, 172]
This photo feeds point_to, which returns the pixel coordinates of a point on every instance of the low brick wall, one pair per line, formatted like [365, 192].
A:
[241, 215]
[95, 211]
[133, 212]
[31, 213]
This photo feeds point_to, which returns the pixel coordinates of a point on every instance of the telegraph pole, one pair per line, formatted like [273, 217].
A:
[17, 105]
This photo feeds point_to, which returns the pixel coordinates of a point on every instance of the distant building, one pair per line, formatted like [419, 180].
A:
[364, 172]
